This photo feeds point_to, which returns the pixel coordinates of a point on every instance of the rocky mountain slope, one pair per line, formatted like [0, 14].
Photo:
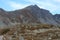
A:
[57, 17]
[31, 14]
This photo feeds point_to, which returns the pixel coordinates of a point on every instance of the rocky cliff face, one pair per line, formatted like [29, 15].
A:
[30, 14]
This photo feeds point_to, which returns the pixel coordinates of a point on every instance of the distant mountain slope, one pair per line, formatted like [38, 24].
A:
[30, 14]
[57, 17]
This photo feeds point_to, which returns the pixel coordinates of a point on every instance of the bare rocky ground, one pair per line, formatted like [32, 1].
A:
[31, 32]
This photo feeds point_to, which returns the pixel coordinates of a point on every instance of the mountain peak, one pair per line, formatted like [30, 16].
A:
[33, 7]
[30, 14]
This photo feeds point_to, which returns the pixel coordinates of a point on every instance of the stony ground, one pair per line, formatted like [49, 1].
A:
[29, 32]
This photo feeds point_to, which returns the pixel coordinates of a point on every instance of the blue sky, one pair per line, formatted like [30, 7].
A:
[52, 5]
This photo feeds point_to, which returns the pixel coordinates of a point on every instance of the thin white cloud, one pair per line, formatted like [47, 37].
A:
[44, 4]
[48, 6]
[41, 3]
[56, 0]
[15, 5]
